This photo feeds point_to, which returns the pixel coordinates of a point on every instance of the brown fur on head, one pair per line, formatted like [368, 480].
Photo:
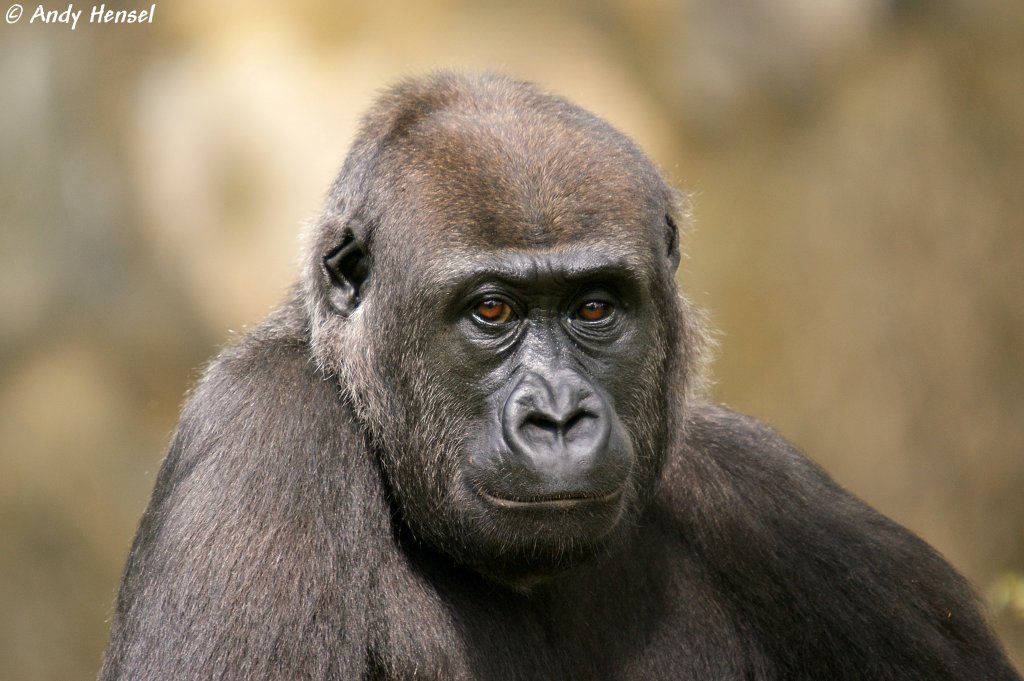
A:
[479, 136]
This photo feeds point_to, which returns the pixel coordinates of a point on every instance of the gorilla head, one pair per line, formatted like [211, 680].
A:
[493, 283]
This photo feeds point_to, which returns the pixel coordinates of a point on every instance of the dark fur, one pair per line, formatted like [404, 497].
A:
[304, 524]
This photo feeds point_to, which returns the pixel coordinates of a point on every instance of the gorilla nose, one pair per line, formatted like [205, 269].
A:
[558, 427]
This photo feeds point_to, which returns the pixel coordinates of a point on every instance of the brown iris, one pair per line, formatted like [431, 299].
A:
[594, 310]
[494, 311]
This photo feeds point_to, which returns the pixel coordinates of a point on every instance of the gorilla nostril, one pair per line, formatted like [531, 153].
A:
[580, 425]
[578, 418]
[555, 425]
[539, 424]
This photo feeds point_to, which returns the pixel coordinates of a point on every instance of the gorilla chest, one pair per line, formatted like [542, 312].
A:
[640, 629]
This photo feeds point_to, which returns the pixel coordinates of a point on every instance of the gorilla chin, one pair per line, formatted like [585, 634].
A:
[542, 537]
[542, 540]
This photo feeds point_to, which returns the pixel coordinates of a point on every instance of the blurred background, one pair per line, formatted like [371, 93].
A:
[858, 173]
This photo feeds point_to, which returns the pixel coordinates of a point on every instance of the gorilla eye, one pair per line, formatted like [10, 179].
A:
[594, 310]
[493, 311]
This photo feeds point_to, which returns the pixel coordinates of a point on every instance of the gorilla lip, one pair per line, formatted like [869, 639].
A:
[553, 504]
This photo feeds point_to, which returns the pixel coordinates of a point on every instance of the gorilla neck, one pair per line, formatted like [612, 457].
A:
[521, 574]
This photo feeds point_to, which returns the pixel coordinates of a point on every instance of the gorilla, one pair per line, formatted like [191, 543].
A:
[473, 443]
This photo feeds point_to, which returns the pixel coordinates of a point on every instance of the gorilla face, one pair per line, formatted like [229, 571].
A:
[527, 401]
[510, 334]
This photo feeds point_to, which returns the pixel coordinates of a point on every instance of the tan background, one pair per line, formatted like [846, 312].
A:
[858, 167]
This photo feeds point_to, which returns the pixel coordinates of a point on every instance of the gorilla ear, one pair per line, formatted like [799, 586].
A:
[348, 270]
[672, 241]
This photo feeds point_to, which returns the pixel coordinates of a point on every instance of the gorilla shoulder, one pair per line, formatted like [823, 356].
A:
[743, 448]
[261, 410]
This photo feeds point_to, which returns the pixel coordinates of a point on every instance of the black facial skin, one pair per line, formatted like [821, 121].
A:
[473, 444]
[540, 351]
[554, 435]
[552, 459]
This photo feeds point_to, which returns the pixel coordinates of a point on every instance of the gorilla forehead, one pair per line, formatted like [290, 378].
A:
[520, 179]
[455, 271]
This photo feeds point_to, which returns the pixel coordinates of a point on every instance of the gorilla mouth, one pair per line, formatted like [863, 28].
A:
[564, 502]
